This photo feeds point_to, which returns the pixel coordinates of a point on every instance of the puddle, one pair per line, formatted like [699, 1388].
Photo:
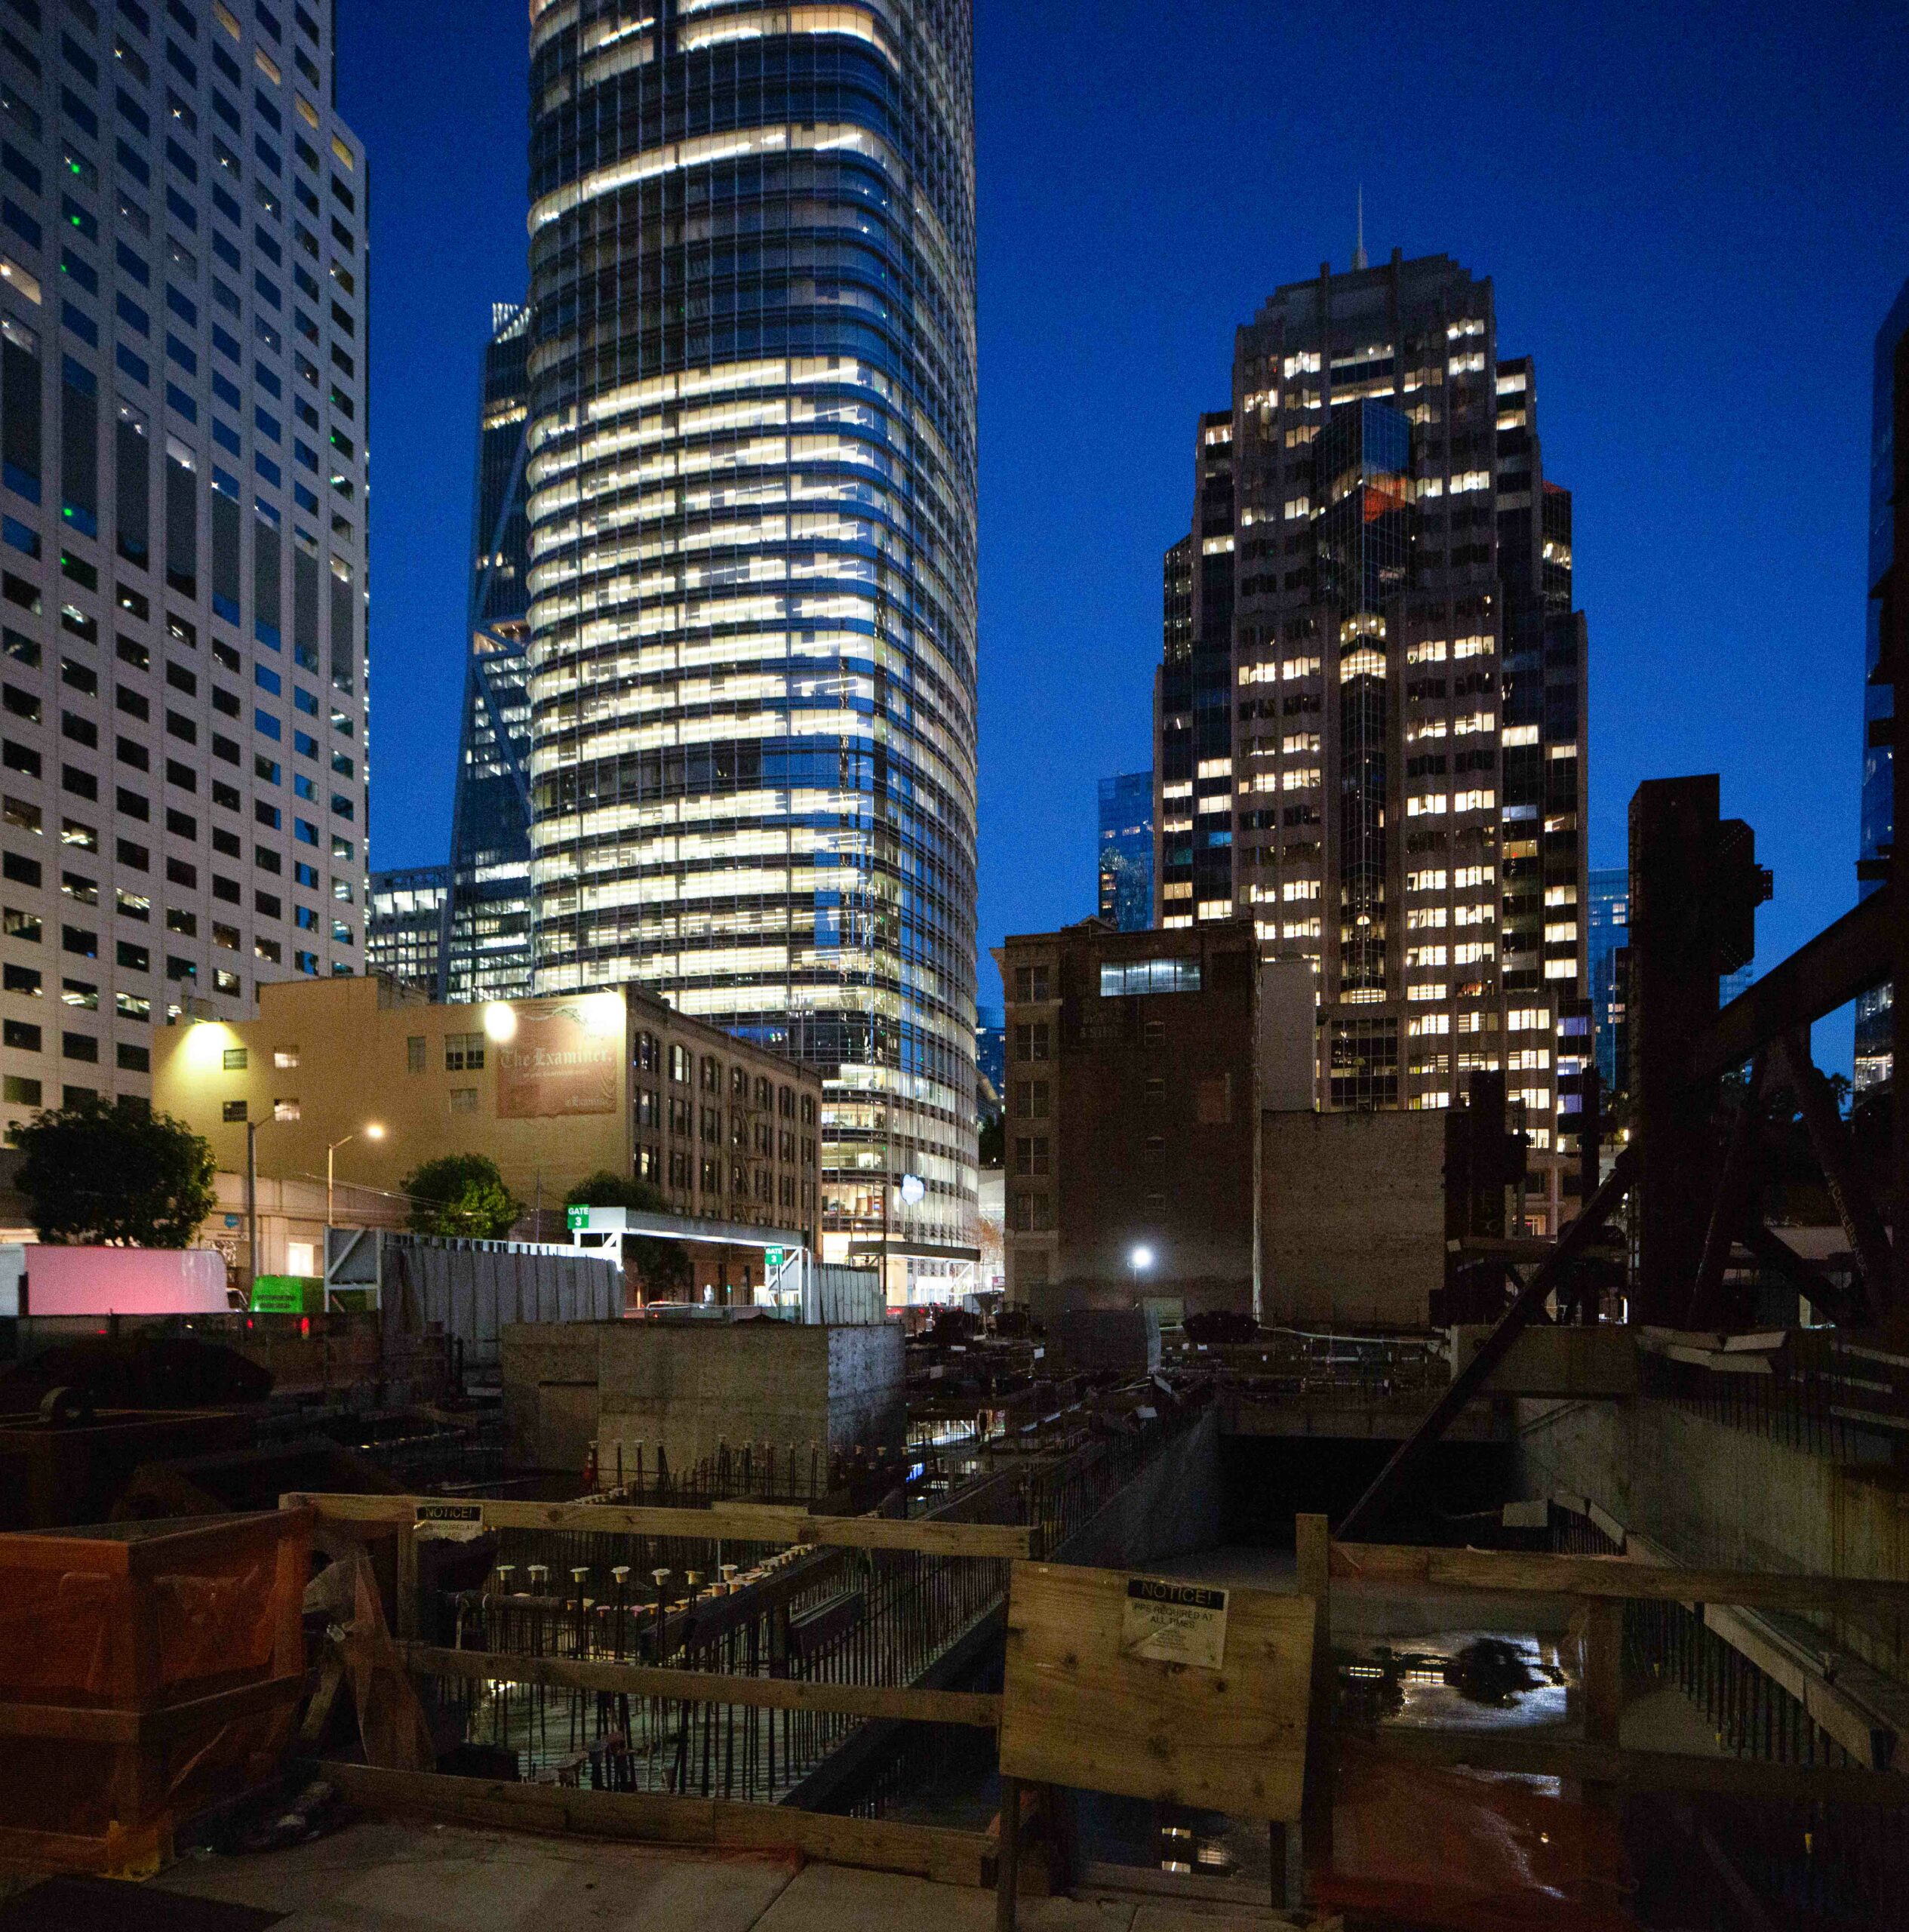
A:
[1476, 1680]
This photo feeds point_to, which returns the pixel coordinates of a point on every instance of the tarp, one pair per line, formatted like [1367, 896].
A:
[63, 1280]
[1477, 1851]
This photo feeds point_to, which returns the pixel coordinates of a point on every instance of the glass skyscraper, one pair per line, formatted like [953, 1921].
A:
[183, 334]
[751, 486]
[1607, 932]
[1126, 850]
[1875, 1048]
[486, 953]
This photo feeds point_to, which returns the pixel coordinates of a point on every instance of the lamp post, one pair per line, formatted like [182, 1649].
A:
[1140, 1259]
[372, 1132]
[252, 1190]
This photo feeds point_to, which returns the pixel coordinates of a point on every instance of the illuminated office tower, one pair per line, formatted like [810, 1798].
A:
[182, 396]
[750, 482]
[487, 945]
[1370, 714]
[1126, 858]
[1875, 1017]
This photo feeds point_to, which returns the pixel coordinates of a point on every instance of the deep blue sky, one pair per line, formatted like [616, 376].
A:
[1694, 217]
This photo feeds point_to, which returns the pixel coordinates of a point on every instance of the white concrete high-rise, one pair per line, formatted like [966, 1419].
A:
[183, 393]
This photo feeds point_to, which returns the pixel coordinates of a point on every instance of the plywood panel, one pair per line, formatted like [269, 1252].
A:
[1080, 1707]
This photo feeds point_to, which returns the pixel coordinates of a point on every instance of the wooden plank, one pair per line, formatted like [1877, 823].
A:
[1075, 1710]
[975, 1709]
[771, 1523]
[1519, 1574]
[404, 1604]
[97, 1724]
[739, 1522]
[924, 1851]
[1534, 1753]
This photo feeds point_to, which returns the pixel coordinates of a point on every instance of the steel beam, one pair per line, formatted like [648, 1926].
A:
[1727, 1210]
[1862, 1224]
[1842, 960]
[1470, 1379]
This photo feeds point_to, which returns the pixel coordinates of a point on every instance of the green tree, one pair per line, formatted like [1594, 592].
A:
[663, 1266]
[463, 1195]
[115, 1174]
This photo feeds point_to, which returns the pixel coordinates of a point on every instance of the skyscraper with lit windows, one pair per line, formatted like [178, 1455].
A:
[751, 496]
[182, 399]
[1875, 1017]
[1370, 714]
[1126, 867]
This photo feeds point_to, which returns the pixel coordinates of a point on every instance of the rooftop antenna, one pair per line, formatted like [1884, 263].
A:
[1359, 243]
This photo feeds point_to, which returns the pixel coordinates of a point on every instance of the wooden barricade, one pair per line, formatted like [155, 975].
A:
[145, 1671]
[953, 1856]
[1599, 1587]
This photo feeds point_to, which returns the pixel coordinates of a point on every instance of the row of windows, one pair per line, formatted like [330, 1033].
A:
[27, 817]
[18, 1089]
[686, 1175]
[647, 1054]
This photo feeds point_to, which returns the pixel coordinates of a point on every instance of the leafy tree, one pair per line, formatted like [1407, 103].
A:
[461, 1195]
[122, 1176]
[994, 1141]
[663, 1266]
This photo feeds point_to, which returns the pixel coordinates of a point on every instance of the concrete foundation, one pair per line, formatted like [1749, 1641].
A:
[1710, 1493]
[693, 1386]
[1172, 1507]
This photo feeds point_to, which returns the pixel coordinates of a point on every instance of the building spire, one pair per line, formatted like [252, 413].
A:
[1359, 241]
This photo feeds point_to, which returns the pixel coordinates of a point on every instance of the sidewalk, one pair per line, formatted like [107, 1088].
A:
[380, 1875]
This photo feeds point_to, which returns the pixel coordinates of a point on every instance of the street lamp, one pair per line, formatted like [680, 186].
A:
[252, 1184]
[371, 1132]
[1139, 1259]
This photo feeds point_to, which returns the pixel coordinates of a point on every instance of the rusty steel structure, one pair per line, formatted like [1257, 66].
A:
[1695, 887]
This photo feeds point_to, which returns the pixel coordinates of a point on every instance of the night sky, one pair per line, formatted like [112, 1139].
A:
[1695, 231]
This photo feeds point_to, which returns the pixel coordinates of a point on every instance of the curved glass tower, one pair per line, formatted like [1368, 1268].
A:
[751, 472]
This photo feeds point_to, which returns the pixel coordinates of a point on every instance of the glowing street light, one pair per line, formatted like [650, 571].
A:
[372, 1130]
[1140, 1260]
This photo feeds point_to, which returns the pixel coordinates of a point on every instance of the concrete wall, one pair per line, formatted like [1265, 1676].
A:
[693, 1386]
[1714, 1494]
[1351, 1216]
[1171, 1509]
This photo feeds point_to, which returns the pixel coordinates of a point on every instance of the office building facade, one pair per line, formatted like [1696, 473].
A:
[750, 499]
[1370, 715]
[487, 945]
[1875, 1019]
[1125, 870]
[552, 1090]
[183, 406]
[1607, 931]
[404, 925]
[1131, 1128]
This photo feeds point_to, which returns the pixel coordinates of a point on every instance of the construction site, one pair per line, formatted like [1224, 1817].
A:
[488, 1602]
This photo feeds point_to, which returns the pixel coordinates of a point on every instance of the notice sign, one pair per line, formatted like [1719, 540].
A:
[449, 1522]
[1183, 1623]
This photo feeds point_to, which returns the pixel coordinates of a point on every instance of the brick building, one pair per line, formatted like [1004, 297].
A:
[1132, 1095]
[551, 1090]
